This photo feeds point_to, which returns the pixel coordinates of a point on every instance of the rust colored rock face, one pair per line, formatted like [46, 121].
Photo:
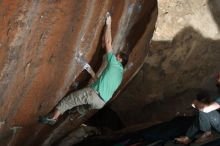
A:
[39, 45]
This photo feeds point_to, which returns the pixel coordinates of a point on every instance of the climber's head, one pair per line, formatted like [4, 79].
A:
[122, 57]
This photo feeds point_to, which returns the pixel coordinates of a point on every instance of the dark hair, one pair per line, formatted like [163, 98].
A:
[204, 97]
[124, 58]
[218, 85]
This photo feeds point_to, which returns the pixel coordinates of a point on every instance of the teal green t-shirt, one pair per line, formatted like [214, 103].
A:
[110, 78]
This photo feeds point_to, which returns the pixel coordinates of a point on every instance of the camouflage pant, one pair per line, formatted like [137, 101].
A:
[85, 96]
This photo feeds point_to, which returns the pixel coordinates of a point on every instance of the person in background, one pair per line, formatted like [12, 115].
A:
[208, 118]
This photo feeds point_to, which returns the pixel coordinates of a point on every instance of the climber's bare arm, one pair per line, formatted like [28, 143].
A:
[108, 36]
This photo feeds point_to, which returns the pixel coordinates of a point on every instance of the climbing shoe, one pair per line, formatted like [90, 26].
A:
[46, 120]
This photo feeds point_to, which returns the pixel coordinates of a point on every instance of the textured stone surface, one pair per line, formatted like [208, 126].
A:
[184, 57]
[39, 45]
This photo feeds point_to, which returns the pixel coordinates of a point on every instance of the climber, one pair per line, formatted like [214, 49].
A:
[98, 93]
[206, 119]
